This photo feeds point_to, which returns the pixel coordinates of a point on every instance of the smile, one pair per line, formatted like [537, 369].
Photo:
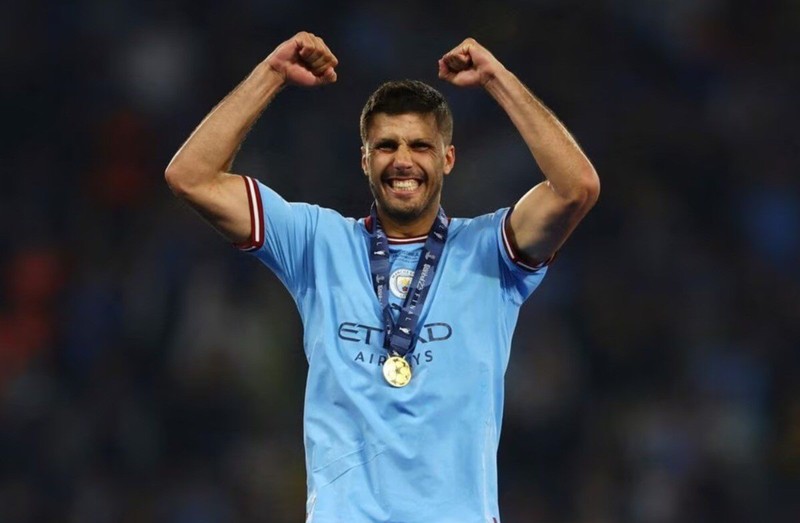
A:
[408, 185]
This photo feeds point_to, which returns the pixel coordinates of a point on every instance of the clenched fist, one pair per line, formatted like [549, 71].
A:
[304, 60]
[469, 64]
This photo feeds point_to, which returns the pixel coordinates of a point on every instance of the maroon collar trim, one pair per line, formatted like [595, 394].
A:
[397, 241]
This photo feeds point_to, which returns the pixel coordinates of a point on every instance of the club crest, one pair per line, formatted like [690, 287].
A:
[400, 281]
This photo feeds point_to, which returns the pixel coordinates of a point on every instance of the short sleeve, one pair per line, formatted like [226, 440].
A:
[281, 235]
[519, 278]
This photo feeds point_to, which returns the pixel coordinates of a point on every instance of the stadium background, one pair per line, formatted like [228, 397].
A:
[149, 373]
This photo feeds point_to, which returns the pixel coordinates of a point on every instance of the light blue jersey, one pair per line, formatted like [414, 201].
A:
[426, 452]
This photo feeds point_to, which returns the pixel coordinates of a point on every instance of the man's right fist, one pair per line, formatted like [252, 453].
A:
[304, 60]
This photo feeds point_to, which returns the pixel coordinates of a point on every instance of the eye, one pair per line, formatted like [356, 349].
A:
[386, 146]
[421, 146]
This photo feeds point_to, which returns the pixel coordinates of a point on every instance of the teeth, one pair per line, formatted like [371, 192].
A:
[405, 185]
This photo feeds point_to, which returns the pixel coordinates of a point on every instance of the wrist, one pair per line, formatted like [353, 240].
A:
[260, 86]
[271, 75]
[495, 81]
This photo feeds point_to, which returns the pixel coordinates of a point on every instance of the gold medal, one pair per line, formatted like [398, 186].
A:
[397, 371]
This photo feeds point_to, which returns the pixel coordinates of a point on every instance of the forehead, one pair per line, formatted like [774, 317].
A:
[402, 126]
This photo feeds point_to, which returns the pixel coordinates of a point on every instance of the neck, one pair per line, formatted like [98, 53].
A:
[419, 226]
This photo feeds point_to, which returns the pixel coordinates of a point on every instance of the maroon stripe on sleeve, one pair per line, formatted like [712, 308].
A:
[256, 239]
[261, 227]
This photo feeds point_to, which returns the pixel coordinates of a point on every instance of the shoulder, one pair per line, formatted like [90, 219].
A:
[484, 224]
[270, 198]
[332, 227]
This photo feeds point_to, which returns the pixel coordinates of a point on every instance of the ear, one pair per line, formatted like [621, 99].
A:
[449, 158]
[364, 160]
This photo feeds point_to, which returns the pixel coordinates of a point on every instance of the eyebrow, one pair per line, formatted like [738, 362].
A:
[381, 142]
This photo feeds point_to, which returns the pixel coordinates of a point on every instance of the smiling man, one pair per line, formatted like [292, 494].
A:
[407, 314]
[406, 129]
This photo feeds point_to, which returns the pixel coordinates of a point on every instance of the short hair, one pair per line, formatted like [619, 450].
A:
[408, 96]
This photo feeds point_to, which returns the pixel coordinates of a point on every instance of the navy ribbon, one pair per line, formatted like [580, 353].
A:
[400, 338]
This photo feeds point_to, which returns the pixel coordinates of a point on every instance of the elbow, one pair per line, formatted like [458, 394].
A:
[179, 180]
[172, 177]
[189, 182]
[591, 187]
[586, 191]
[174, 183]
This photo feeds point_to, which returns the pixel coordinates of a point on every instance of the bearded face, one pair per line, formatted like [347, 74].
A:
[405, 159]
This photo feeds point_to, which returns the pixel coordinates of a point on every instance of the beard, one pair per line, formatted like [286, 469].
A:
[404, 212]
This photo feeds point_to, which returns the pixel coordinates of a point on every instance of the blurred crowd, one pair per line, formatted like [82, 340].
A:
[151, 373]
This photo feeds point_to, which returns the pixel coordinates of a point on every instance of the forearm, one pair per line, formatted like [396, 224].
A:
[209, 150]
[558, 155]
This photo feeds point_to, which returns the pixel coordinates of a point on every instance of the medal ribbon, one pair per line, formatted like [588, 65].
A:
[401, 337]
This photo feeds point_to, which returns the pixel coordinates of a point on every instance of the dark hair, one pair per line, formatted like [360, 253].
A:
[408, 96]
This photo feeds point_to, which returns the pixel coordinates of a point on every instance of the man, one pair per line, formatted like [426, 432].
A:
[407, 314]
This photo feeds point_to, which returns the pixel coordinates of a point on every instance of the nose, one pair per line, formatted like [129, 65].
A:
[402, 158]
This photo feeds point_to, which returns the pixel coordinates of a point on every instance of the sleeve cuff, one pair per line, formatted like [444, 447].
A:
[513, 253]
[257, 225]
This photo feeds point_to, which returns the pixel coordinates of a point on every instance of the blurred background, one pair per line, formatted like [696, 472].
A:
[150, 373]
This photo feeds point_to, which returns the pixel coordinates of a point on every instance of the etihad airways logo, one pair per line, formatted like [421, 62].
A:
[360, 334]
[368, 335]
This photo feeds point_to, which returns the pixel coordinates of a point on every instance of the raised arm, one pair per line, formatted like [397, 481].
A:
[545, 216]
[198, 173]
